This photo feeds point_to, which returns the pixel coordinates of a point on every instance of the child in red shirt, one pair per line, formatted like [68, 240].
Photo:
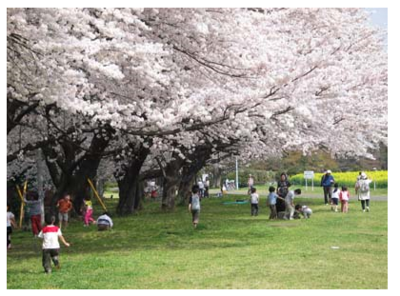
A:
[51, 247]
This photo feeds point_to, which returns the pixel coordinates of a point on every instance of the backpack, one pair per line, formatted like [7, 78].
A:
[364, 186]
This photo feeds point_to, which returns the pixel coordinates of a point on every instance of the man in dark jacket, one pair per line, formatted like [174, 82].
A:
[326, 182]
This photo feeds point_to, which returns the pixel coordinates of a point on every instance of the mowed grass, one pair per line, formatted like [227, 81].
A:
[229, 249]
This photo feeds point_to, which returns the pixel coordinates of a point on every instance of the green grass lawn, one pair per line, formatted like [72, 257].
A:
[229, 249]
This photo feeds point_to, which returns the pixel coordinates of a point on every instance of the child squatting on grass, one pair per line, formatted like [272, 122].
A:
[303, 210]
[51, 247]
[194, 205]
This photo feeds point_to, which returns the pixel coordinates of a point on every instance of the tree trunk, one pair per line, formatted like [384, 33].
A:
[131, 189]
[100, 187]
[171, 182]
[128, 195]
[169, 193]
[189, 174]
[185, 189]
[72, 177]
[216, 180]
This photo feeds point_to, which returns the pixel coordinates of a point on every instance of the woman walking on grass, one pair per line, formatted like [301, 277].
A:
[363, 191]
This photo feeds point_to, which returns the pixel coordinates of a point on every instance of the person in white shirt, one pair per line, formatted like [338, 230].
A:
[10, 224]
[206, 187]
[201, 188]
[254, 198]
[289, 204]
[51, 247]
[363, 191]
[104, 222]
[250, 183]
[335, 197]
[304, 210]
[194, 205]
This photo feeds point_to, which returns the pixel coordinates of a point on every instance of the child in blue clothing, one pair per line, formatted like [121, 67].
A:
[271, 202]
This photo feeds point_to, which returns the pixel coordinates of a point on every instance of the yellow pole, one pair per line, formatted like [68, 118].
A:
[97, 195]
[25, 186]
[21, 216]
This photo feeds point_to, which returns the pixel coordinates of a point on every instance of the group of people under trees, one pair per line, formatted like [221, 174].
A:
[280, 202]
[281, 199]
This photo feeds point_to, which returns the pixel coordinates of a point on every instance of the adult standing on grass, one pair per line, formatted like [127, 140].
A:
[282, 190]
[363, 191]
[250, 183]
[327, 181]
[206, 187]
[201, 188]
[194, 205]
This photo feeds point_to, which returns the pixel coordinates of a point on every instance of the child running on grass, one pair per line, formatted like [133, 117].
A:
[194, 205]
[51, 247]
[344, 197]
[88, 212]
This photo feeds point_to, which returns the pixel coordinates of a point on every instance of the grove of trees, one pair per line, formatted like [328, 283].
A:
[143, 93]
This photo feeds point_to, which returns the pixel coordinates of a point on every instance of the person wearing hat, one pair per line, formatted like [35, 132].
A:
[362, 190]
[326, 182]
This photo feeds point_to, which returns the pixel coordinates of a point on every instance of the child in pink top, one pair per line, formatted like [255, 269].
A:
[344, 197]
[88, 212]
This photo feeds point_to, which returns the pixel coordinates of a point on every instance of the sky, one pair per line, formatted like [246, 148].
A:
[379, 16]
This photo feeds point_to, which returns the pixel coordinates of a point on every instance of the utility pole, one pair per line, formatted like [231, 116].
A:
[237, 174]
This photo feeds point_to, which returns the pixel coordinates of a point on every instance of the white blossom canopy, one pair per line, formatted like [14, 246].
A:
[264, 80]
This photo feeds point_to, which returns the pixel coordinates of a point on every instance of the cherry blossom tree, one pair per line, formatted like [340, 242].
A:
[181, 86]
